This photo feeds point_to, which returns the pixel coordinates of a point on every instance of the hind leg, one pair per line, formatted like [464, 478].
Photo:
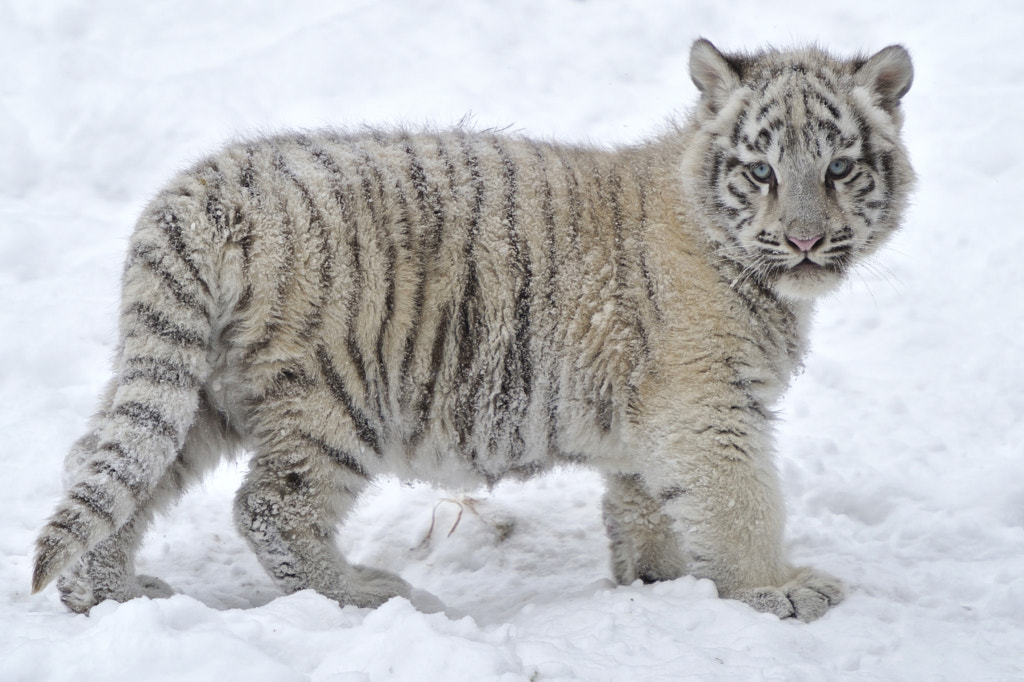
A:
[107, 571]
[288, 510]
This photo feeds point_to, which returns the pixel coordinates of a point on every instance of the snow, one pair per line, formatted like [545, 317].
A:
[900, 445]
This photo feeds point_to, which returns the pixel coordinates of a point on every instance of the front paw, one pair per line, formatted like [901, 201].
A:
[807, 596]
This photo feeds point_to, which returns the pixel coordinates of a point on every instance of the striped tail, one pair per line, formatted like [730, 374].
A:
[140, 428]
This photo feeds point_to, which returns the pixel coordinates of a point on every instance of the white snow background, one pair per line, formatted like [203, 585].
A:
[900, 446]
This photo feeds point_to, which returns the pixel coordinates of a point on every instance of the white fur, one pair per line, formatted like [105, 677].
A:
[461, 307]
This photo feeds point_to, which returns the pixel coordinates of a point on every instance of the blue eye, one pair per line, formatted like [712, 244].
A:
[839, 169]
[762, 172]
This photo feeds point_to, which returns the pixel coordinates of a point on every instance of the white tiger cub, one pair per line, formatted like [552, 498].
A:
[459, 307]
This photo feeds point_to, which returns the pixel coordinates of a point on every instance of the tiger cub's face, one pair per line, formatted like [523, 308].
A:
[803, 169]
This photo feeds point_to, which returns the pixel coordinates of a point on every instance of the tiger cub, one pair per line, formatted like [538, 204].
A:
[459, 307]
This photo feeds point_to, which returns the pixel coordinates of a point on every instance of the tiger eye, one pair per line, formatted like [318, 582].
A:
[839, 169]
[762, 171]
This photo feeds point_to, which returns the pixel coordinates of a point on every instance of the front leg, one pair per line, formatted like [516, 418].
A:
[713, 483]
[643, 540]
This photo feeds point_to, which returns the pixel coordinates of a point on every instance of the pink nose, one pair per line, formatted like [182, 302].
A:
[805, 244]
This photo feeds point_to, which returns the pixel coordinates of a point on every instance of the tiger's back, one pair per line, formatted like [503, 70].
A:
[419, 297]
[460, 306]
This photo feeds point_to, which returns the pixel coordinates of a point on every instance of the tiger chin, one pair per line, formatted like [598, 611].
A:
[461, 307]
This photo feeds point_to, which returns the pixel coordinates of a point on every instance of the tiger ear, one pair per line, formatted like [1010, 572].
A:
[713, 74]
[888, 75]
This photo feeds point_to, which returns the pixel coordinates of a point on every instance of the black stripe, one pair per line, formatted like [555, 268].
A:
[96, 500]
[729, 211]
[764, 111]
[842, 235]
[737, 194]
[763, 140]
[217, 214]
[575, 209]
[623, 308]
[158, 371]
[429, 243]
[637, 307]
[854, 178]
[867, 154]
[342, 194]
[150, 257]
[147, 417]
[601, 404]
[168, 221]
[385, 227]
[289, 381]
[355, 300]
[339, 457]
[551, 285]
[469, 325]
[428, 198]
[738, 227]
[728, 163]
[866, 190]
[317, 225]
[246, 243]
[737, 450]
[521, 261]
[247, 176]
[824, 101]
[352, 346]
[284, 278]
[439, 344]
[157, 323]
[449, 167]
[843, 250]
[336, 385]
[517, 370]
[737, 130]
[714, 166]
[437, 356]
[831, 130]
[888, 167]
[548, 211]
[671, 493]
[572, 263]
[421, 242]
[642, 227]
[70, 521]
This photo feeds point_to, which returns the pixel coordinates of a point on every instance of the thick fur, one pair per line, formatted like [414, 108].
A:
[461, 306]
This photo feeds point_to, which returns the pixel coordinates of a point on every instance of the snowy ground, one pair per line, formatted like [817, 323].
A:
[901, 445]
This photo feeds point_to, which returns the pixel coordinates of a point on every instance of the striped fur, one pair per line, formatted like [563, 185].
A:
[459, 307]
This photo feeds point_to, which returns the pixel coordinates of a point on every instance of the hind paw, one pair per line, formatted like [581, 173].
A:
[81, 588]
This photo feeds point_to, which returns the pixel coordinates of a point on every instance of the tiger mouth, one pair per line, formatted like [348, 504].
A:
[807, 266]
[810, 271]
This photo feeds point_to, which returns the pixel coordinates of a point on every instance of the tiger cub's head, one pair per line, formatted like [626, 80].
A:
[796, 163]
